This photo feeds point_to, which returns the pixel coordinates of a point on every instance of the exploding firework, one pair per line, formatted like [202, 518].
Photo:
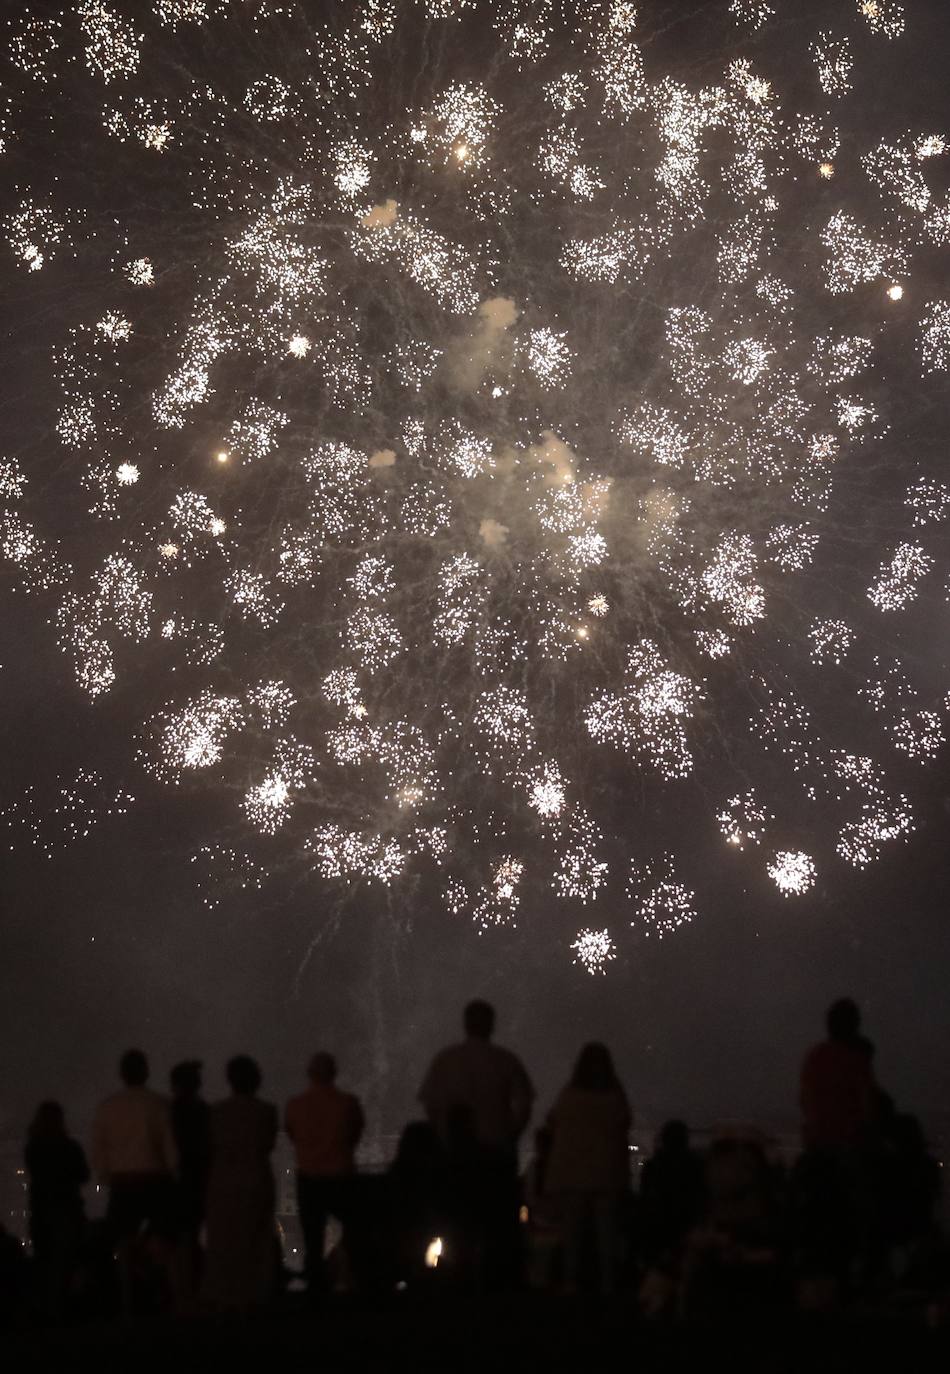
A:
[449, 442]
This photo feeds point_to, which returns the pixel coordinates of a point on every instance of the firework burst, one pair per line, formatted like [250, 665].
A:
[441, 461]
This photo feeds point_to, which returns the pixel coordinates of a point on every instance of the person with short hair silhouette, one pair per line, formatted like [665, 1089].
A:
[489, 1082]
[240, 1262]
[134, 1153]
[671, 1198]
[325, 1126]
[56, 1169]
[835, 1177]
[837, 1084]
[478, 1097]
[589, 1166]
[191, 1127]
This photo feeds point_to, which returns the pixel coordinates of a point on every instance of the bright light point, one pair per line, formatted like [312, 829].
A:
[434, 1253]
[593, 949]
[582, 632]
[114, 327]
[895, 292]
[461, 152]
[223, 456]
[497, 391]
[598, 605]
[743, 821]
[217, 526]
[546, 792]
[127, 474]
[156, 136]
[299, 346]
[793, 872]
[931, 146]
[168, 550]
[826, 170]
[140, 272]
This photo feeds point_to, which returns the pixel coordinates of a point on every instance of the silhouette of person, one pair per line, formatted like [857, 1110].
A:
[325, 1126]
[134, 1154]
[56, 1169]
[191, 1127]
[835, 1177]
[417, 1196]
[838, 1095]
[589, 1166]
[731, 1260]
[911, 1187]
[671, 1197]
[478, 1097]
[240, 1261]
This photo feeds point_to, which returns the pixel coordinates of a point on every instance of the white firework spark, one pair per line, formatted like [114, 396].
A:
[593, 949]
[793, 872]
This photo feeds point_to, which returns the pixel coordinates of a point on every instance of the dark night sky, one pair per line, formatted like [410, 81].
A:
[108, 943]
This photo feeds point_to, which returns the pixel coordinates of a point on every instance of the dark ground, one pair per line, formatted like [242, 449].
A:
[532, 1332]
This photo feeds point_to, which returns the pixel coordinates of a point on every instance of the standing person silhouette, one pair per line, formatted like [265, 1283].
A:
[191, 1127]
[56, 1168]
[325, 1126]
[838, 1093]
[835, 1175]
[134, 1154]
[478, 1097]
[589, 1165]
[240, 1263]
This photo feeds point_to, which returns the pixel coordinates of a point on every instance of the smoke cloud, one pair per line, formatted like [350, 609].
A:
[487, 348]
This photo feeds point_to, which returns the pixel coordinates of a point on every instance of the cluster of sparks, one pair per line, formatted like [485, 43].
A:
[53, 822]
[462, 467]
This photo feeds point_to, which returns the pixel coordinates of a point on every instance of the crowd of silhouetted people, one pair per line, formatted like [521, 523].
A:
[190, 1219]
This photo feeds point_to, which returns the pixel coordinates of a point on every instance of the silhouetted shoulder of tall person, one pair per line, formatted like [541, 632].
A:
[486, 1081]
[478, 1098]
[837, 1084]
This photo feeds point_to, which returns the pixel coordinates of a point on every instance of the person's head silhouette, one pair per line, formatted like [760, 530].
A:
[674, 1138]
[243, 1075]
[594, 1070]
[133, 1069]
[185, 1078]
[479, 1020]
[49, 1122]
[843, 1021]
[322, 1068]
